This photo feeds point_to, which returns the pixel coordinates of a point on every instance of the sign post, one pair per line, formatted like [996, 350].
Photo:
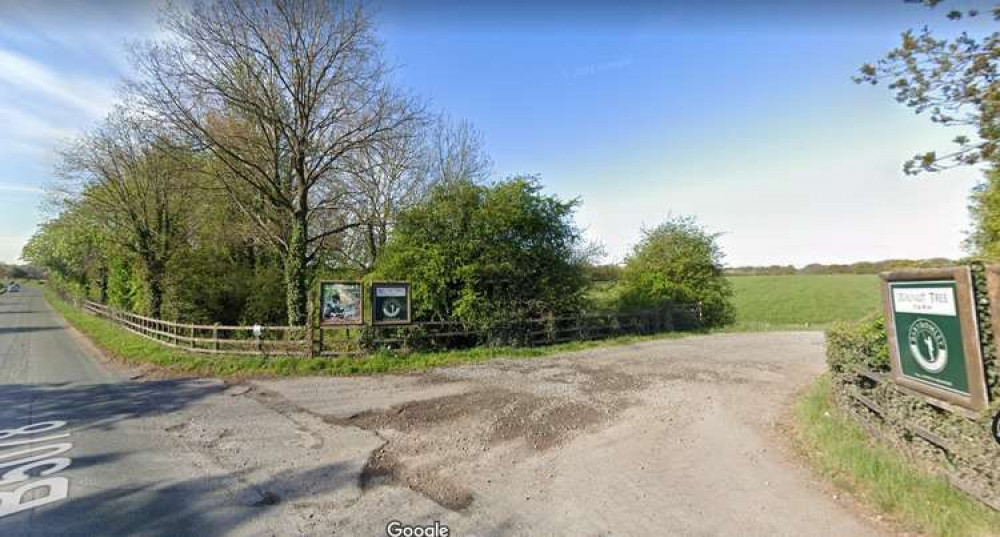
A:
[933, 335]
[390, 303]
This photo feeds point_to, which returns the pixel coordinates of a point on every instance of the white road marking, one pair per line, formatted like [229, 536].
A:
[24, 462]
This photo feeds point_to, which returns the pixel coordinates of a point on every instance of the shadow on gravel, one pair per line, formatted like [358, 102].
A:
[98, 406]
[206, 506]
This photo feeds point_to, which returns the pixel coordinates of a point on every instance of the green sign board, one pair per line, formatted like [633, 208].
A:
[390, 303]
[929, 334]
[934, 335]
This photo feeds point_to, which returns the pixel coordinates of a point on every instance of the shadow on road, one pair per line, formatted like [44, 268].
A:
[99, 406]
[209, 506]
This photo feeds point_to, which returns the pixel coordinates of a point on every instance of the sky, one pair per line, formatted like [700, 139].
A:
[741, 114]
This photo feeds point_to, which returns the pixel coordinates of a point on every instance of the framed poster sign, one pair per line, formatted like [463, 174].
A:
[390, 303]
[341, 303]
[933, 334]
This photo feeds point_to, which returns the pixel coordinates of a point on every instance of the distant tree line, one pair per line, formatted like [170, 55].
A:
[860, 267]
[263, 146]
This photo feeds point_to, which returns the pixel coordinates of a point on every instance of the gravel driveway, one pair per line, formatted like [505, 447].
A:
[670, 437]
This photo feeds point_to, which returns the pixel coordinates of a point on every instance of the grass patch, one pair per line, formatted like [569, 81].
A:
[803, 301]
[840, 449]
[134, 349]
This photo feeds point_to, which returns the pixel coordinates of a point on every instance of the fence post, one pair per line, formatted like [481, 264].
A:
[193, 345]
[319, 341]
[215, 337]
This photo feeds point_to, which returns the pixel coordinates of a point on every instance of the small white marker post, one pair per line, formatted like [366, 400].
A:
[257, 331]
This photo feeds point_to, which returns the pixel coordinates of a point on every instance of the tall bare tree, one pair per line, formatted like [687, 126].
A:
[456, 151]
[281, 92]
[386, 178]
[135, 185]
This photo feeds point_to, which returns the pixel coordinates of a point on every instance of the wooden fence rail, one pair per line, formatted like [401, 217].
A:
[211, 339]
[355, 340]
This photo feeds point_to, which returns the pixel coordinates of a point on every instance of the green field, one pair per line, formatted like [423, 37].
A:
[803, 301]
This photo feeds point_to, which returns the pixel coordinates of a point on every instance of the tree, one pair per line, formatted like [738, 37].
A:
[678, 262]
[456, 152]
[386, 178]
[392, 175]
[488, 254]
[984, 207]
[72, 249]
[136, 184]
[281, 92]
[955, 80]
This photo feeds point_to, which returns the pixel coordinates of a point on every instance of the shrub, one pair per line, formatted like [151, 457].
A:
[858, 344]
[488, 255]
[680, 263]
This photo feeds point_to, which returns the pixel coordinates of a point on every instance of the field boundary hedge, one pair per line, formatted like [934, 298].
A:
[942, 439]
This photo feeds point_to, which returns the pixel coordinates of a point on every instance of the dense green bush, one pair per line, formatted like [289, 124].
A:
[488, 255]
[678, 263]
[850, 345]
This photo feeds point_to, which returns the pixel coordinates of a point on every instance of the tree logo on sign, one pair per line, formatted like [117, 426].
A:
[928, 345]
[392, 307]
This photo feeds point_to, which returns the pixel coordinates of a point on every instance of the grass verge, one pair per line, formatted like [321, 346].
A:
[136, 350]
[838, 448]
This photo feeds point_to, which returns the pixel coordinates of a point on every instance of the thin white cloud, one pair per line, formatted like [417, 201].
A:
[20, 188]
[30, 127]
[28, 76]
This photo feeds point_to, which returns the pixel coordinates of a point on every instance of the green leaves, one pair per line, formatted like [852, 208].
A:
[486, 254]
[952, 79]
[678, 262]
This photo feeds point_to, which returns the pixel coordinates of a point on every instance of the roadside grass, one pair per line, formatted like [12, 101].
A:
[838, 448]
[133, 349]
[810, 302]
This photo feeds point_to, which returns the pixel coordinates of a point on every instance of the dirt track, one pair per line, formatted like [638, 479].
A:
[660, 438]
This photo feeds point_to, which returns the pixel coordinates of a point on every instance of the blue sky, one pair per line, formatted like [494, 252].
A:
[742, 114]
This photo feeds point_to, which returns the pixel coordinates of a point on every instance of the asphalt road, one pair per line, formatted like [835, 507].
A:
[98, 461]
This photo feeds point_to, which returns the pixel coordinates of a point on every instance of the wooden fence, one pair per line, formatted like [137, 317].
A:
[430, 335]
[210, 339]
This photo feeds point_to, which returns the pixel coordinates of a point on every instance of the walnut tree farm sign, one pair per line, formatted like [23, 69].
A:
[933, 335]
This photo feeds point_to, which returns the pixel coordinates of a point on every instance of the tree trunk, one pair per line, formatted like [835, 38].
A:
[155, 295]
[102, 283]
[295, 272]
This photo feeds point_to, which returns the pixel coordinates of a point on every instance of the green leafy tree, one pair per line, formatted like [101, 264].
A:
[488, 254]
[74, 250]
[680, 263]
[954, 80]
[984, 208]
[138, 187]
